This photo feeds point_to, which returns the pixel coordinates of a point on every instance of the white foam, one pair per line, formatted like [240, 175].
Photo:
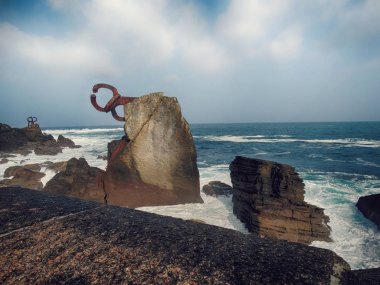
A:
[354, 238]
[214, 211]
[64, 132]
[348, 142]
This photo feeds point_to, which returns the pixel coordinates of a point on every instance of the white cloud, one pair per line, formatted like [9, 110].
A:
[287, 45]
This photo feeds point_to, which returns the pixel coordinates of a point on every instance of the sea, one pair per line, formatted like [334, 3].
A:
[338, 162]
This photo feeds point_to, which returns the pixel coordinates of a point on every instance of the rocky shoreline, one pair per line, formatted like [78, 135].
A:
[81, 242]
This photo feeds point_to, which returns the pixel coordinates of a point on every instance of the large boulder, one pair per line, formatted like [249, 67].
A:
[158, 165]
[370, 207]
[269, 198]
[77, 180]
[28, 176]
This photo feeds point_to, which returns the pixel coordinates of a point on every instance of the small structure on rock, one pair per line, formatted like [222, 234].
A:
[155, 164]
[269, 198]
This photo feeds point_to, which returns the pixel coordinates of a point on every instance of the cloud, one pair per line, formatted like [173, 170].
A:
[287, 45]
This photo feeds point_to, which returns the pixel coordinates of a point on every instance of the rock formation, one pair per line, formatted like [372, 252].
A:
[11, 138]
[158, 165]
[28, 176]
[217, 188]
[370, 207]
[29, 139]
[77, 180]
[269, 198]
[53, 239]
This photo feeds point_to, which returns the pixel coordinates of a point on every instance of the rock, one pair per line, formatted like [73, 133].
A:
[217, 188]
[158, 165]
[11, 138]
[4, 160]
[370, 208]
[55, 166]
[363, 276]
[26, 176]
[12, 171]
[77, 180]
[269, 198]
[65, 142]
[102, 157]
[52, 239]
[34, 133]
[48, 148]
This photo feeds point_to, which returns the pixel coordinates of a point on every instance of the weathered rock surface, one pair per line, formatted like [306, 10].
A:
[158, 165]
[363, 276]
[28, 176]
[370, 207]
[269, 198]
[52, 239]
[217, 188]
[11, 138]
[66, 142]
[77, 180]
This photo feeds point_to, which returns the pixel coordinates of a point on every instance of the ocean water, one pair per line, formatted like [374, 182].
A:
[339, 162]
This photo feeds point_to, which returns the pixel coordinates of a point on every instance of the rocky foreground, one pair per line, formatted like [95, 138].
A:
[52, 239]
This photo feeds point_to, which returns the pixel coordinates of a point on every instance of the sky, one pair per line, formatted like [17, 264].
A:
[226, 61]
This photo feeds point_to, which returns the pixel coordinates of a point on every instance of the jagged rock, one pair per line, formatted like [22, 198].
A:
[11, 138]
[48, 148]
[370, 207]
[217, 188]
[80, 242]
[158, 165]
[66, 142]
[77, 180]
[269, 198]
[26, 176]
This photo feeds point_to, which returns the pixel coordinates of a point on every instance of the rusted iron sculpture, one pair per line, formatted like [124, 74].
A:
[115, 101]
[32, 122]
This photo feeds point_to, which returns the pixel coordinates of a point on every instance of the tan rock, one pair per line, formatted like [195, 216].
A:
[158, 165]
[269, 198]
[77, 180]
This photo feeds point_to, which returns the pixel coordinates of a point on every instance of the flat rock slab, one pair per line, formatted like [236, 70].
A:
[52, 239]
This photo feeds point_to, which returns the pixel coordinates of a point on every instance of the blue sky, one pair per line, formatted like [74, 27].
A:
[225, 61]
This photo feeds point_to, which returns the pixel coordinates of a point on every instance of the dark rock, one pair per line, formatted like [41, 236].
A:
[364, 276]
[269, 198]
[217, 188]
[77, 180]
[4, 160]
[65, 142]
[11, 138]
[370, 207]
[48, 148]
[33, 133]
[26, 176]
[158, 164]
[51, 239]
[103, 157]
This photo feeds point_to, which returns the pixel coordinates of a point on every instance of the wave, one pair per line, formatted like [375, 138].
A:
[349, 142]
[367, 163]
[82, 131]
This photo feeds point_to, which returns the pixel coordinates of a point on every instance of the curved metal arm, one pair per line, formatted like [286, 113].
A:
[116, 100]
